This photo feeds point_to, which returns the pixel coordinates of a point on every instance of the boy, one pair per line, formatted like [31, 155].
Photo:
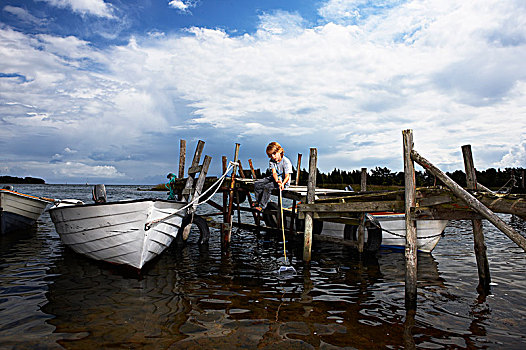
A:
[281, 169]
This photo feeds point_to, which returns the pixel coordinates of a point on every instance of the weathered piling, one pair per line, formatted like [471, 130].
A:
[228, 225]
[194, 169]
[410, 223]
[182, 160]
[250, 201]
[182, 157]
[225, 204]
[478, 235]
[252, 171]
[361, 225]
[311, 193]
[298, 171]
[363, 180]
[203, 170]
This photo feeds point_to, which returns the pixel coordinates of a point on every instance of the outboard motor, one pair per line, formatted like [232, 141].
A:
[99, 194]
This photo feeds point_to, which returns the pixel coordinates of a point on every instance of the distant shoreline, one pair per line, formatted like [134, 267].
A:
[19, 180]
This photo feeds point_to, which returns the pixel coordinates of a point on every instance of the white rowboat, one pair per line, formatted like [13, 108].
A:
[119, 232]
[19, 211]
[428, 232]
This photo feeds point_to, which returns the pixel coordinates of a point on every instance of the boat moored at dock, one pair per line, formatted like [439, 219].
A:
[129, 232]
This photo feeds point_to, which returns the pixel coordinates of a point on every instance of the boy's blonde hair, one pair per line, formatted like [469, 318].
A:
[274, 147]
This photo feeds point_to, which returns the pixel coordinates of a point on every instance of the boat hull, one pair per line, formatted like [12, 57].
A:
[393, 231]
[428, 232]
[115, 232]
[19, 211]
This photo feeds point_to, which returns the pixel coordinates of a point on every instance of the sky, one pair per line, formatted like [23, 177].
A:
[103, 91]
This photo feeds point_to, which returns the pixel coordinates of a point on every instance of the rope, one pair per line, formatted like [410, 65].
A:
[282, 224]
[195, 200]
[508, 189]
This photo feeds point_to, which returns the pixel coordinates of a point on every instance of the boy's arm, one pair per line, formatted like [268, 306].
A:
[275, 175]
[282, 184]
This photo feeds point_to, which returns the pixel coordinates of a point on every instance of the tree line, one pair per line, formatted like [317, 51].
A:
[5, 179]
[492, 178]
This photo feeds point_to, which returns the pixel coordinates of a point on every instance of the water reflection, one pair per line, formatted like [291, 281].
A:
[197, 296]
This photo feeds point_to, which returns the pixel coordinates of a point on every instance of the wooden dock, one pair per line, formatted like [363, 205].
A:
[311, 203]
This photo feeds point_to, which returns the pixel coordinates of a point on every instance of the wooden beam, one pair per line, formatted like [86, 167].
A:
[478, 234]
[352, 207]
[471, 201]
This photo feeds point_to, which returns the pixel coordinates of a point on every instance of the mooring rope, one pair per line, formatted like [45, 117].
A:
[508, 189]
[195, 200]
[399, 235]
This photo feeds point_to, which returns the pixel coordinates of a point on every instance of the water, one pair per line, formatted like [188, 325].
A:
[196, 296]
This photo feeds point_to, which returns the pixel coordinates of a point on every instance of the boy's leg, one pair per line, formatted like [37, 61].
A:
[265, 196]
[259, 187]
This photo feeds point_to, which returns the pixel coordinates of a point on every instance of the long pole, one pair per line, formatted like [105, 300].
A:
[471, 201]
[478, 234]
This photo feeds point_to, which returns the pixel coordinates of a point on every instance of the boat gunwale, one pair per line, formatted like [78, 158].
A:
[25, 196]
[124, 201]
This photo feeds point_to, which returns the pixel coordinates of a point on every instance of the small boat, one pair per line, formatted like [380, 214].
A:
[391, 226]
[128, 232]
[383, 229]
[428, 232]
[19, 211]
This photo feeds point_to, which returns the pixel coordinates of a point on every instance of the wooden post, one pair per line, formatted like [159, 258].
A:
[522, 179]
[410, 224]
[228, 228]
[225, 204]
[292, 223]
[254, 213]
[298, 171]
[363, 182]
[471, 201]
[311, 195]
[361, 233]
[197, 192]
[252, 169]
[202, 176]
[194, 169]
[182, 158]
[478, 234]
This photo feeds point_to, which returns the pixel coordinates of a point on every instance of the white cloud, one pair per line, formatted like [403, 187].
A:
[183, 6]
[280, 23]
[516, 156]
[24, 16]
[97, 8]
[80, 170]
